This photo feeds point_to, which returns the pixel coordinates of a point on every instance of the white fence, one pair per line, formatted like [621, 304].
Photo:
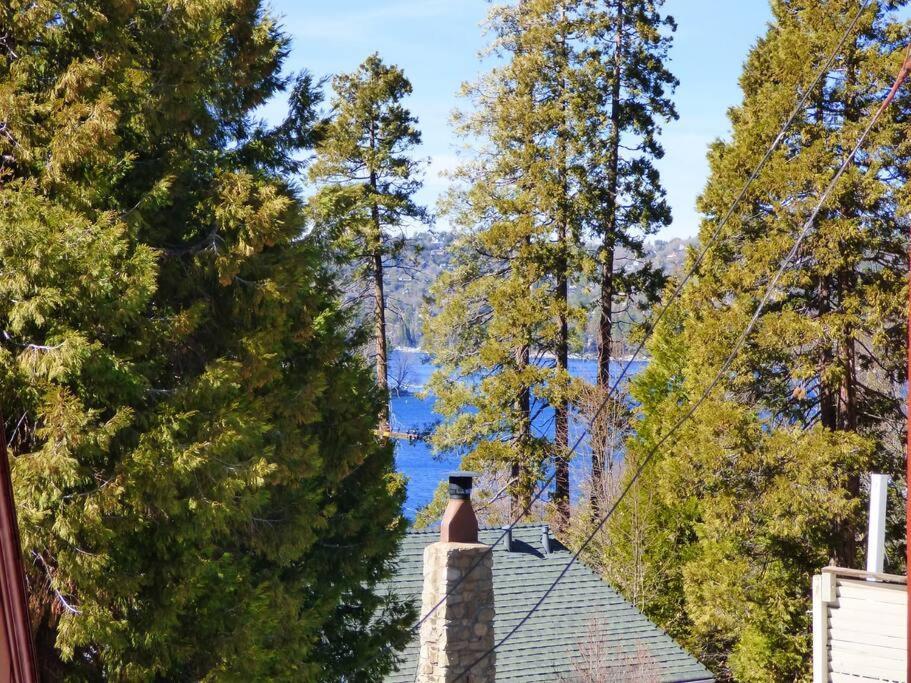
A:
[859, 627]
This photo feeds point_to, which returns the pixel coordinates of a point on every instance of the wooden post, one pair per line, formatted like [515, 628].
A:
[908, 478]
[823, 594]
[16, 631]
[902, 75]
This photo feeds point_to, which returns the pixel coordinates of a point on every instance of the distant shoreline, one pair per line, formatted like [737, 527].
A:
[626, 358]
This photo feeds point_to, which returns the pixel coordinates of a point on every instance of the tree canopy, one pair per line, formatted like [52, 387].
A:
[766, 484]
[368, 177]
[201, 492]
[566, 125]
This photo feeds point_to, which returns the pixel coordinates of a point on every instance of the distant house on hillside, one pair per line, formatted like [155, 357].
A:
[584, 632]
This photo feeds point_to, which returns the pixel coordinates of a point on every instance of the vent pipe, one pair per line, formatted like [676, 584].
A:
[545, 540]
[507, 538]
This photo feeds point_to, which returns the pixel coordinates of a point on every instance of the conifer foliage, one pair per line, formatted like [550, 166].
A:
[766, 484]
[627, 202]
[369, 178]
[568, 124]
[200, 491]
[504, 305]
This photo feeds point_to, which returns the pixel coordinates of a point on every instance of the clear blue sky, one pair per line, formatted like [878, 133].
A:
[436, 42]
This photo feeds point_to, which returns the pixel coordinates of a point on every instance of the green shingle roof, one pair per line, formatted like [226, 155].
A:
[582, 611]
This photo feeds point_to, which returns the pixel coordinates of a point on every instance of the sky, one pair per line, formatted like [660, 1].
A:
[436, 43]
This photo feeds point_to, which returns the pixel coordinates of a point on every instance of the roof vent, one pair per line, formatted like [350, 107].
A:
[459, 522]
[507, 538]
[545, 540]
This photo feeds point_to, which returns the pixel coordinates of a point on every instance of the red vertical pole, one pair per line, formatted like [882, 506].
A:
[16, 629]
[903, 74]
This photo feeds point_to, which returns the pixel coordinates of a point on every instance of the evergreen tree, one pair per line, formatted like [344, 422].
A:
[630, 42]
[364, 161]
[201, 495]
[503, 308]
[554, 119]
[765, 485]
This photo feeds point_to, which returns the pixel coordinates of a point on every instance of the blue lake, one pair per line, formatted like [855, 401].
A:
[424, 469]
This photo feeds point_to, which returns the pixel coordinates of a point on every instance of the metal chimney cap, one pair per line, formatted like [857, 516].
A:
[460, 485]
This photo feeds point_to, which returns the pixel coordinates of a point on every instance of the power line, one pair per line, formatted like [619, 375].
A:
[903, 74]
[716, 233]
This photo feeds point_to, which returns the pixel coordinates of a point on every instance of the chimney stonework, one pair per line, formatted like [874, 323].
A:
[461, 629]
[458, 575]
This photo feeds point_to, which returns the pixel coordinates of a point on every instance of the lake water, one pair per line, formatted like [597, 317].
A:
[424, 469]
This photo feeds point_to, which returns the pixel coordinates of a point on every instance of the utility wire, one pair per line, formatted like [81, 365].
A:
[716, 233]
[903, 74]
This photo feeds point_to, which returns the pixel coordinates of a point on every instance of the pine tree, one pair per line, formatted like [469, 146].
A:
[201, 495]
[765, 485]
[364, 162]
[554, 118]
[504, 307]
[630, 42]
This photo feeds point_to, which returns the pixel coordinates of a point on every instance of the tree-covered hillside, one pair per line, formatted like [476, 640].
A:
[427, 255]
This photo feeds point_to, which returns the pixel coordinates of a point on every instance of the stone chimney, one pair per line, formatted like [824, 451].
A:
[458, 573]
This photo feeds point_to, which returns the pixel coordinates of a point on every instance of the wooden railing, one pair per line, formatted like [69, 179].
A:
[859, 631]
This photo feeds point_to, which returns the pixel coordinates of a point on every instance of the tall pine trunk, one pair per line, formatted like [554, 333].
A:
[846, 551]
[364, 163]
[379, 304]
[520, 496]
[51, 666]
[838, 412]
[607, 254]
[838, 396]
[561, 410]
[379, 333]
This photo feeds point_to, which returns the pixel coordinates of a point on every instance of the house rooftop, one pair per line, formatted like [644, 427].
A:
[583, 613]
